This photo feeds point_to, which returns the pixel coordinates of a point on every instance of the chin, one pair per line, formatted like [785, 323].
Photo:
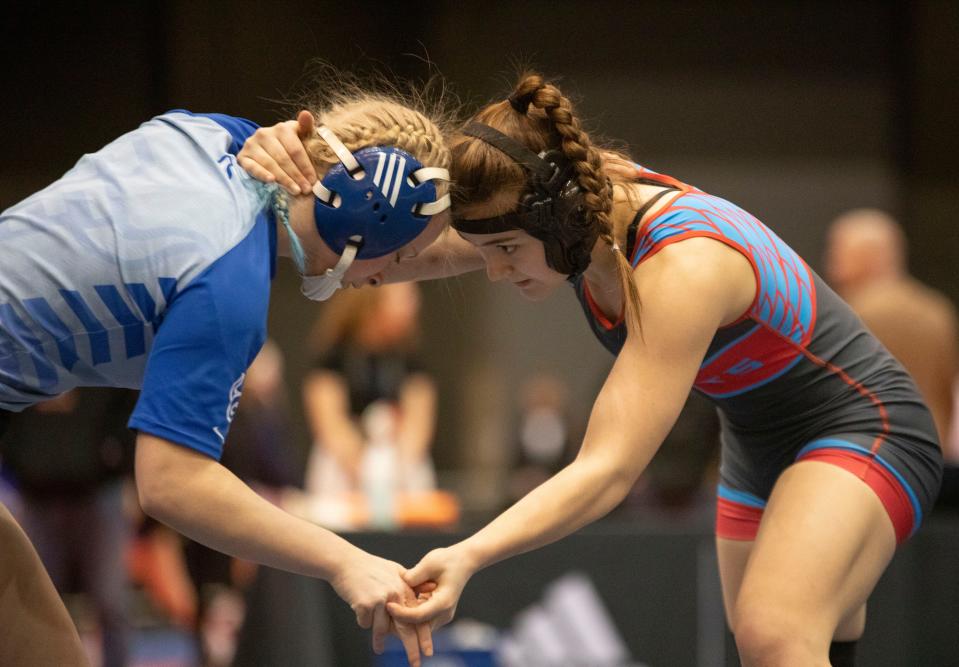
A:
[538, 292]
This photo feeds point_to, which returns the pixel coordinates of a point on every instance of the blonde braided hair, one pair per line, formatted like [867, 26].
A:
[377, 120]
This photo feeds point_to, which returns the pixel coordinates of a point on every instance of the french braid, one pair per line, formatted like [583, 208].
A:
[540, 117]
[375, 120]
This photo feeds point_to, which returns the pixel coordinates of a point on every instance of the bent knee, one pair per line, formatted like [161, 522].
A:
[771, 635]
[852, 626]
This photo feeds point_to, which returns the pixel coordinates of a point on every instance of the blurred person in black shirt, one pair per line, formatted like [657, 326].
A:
[365, 345]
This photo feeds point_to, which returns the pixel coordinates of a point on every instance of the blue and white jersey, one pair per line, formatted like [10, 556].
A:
[147, 265]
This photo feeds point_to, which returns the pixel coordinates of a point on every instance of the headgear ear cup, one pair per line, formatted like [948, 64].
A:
[380, 194]
[551, 210]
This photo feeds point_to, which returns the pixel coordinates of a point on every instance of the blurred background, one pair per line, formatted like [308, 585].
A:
[797, 111]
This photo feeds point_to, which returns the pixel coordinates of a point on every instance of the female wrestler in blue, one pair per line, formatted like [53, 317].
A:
[829, 457]
[149, 265]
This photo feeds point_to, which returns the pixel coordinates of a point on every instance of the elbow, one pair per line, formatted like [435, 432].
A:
[156, 485]
[612, 480]
[619, 484]
[154, 500]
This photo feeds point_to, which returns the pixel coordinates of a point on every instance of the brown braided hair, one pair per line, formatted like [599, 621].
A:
[540, 117]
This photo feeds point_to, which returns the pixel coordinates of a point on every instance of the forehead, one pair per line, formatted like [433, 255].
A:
[500, 203]
[491, 239]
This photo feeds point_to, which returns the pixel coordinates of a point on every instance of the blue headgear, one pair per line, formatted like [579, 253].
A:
[380, 198]
[370, 204]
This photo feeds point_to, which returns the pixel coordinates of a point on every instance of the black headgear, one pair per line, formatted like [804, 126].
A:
[551, 209]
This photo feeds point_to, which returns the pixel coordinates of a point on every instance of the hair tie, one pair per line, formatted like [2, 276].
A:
[520, 103]
[615, 247]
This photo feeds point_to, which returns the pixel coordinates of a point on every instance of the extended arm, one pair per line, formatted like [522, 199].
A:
[201, 499]
[447, 256]
[683, 303]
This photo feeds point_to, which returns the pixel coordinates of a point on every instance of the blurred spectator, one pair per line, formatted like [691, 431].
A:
[368, 399]
[68, 458]
[546, 437]
[678, 478]
[866, 265]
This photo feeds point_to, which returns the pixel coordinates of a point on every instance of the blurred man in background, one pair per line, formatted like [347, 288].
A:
[866, 264]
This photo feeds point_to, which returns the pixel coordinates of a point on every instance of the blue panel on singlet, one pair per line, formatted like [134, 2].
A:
[785, 299]
[240, 130]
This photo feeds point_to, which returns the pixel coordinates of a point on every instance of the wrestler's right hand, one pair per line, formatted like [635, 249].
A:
[276, 154]
[367, 583]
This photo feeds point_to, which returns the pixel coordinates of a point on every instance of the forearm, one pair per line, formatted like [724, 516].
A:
[207, 503]
[577, 495]
[448, 256]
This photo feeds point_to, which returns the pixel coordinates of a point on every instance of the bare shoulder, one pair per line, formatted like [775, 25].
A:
[700, 272]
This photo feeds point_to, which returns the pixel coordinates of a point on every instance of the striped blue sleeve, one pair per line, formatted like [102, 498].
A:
[208, 337]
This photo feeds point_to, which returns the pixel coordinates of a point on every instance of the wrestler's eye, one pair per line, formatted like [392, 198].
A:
[508, 249]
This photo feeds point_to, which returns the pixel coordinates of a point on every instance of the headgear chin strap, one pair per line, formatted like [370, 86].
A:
[551, 210]
[323, 286]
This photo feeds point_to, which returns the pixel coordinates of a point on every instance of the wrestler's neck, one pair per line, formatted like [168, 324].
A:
[319, 257]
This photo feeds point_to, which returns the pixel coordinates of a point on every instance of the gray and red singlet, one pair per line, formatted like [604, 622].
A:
[797, 377]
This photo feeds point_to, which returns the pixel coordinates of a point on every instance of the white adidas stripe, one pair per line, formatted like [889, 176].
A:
[391, 182]
[397, 182]
[379, 169]
[388, 179]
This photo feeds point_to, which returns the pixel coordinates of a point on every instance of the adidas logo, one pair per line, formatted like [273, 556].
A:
[390, 183]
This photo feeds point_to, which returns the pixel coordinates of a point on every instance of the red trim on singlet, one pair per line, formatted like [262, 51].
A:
[683, 190]
[800, 347]
[855, 384]
[737, 522]
[597, 313]
[642, 172]
[890, 492]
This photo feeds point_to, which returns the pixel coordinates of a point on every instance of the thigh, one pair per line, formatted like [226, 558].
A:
[824, 540]
[37, 630]
[733, 556]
